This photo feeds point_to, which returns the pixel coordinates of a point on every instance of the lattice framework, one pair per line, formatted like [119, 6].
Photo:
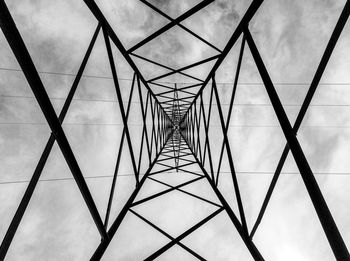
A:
[176, 130]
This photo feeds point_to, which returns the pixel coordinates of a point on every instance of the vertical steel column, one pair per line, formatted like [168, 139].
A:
[19, 49]
[120, 101]
[230, 159]
[313, 86]
[44, 156]
[240, 58]
[119, 155]
[330, 228]
[207, 145]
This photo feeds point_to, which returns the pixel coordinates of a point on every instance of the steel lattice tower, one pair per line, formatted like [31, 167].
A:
[178, 137]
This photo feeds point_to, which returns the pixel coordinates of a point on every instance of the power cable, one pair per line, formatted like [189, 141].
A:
[131, 124]
[130, 79]
[115, 101]
[130, 174]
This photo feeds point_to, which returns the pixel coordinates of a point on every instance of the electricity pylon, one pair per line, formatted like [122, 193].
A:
[179, 123]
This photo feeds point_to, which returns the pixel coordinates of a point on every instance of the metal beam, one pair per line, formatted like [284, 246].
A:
[330, 228]
[19, 49]
[10, 233]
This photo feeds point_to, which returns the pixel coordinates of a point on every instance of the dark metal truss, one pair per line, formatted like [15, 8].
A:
[174, 139]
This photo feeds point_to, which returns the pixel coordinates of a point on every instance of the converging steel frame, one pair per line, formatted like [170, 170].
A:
[177, 122]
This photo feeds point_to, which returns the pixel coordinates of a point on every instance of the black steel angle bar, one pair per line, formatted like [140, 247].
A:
[248, 242]
[161, 171]
[167, 235]
[158, 128]
[230, 159]
[330, 228]
[165, 192]
[207, 145]
[198, 145]
[113, 229]
[186, 192]
[186, 68]
[120, 101]
[148, 99]
[174, 22]
[252, 9]
[180, 25]
[44, 156]
[143, 113]
[172, 90]
[153, 133]
[25, 61]
[183, 235]
[162, 85]
[190, 172]
[239, 63]
[119, 155]
[164, 165]
[160, 65]
[315, 81]
[95, 10]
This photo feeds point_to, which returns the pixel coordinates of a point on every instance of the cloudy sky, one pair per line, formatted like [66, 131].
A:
[291, 36]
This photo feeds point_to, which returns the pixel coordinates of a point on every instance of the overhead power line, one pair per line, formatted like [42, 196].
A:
[132, 175]
[169, 82]
[136, 102]
[135, 124]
